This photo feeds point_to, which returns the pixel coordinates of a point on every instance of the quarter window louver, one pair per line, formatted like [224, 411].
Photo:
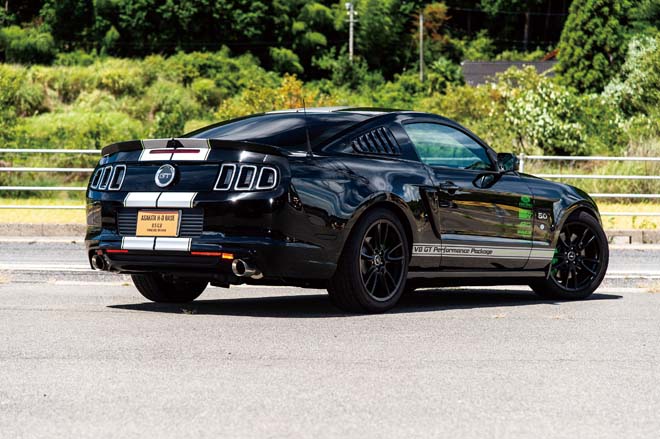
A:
[377, 141]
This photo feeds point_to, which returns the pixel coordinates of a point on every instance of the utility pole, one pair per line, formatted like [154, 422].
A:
[421, 46]
[351, 23]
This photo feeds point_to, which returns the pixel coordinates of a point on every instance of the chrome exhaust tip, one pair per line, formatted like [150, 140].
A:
[98, 262]
[243, 269]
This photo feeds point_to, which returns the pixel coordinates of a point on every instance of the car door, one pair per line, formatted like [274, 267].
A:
[483, 216]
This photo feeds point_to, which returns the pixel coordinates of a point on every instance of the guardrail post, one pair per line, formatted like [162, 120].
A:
[521, 162]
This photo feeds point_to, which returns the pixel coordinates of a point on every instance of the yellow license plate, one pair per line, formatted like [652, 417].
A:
[158, 223]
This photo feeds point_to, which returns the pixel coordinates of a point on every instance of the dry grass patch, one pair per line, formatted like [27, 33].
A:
[651, 286]
[42, 216]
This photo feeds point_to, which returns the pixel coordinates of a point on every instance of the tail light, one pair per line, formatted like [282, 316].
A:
[244, 177]
[108, 178]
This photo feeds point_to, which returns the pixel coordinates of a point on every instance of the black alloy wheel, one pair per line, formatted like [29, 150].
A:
[381, 260]
[372, 270]
[577, 258]
[580, 260]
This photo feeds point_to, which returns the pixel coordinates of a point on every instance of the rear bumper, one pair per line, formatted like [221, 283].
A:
[211, 255]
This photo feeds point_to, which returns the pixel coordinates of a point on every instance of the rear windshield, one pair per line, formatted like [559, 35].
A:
[285, 130]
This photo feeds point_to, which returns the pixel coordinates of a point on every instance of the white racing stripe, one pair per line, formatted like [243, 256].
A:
[137, 243]
[173, 244]
[201, 155]
[159, 243]
[481, 251]
[152, 150]
[160, 199]
[542, 253]
[148, 155]
[141, 199]
[176, 199]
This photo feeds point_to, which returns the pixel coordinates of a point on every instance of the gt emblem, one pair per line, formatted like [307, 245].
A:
[165, 175]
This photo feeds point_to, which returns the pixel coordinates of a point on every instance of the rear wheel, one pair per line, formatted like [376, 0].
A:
[371, 274]
[158, 288]
[580, 260]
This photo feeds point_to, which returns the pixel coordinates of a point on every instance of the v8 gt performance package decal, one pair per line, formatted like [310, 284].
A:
[480, 251]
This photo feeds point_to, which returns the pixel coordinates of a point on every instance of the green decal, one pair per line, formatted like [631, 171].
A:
[525, 214]
[525, 224]
[525, 201]
[524, 232]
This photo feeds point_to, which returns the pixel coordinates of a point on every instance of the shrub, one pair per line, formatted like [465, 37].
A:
[344, 72]
[18, 93]
[96, 100]
[75, 130]
[637, 88]
[481, 109]
[230, 74]
[441, 73]
[259, 97]
[514, 55]
[541, 113]
[285, 60]
[206, 92]
[27, 46]
[171, 106]
[120, 77]
[479, 48]
[76, 58]
[67, 82]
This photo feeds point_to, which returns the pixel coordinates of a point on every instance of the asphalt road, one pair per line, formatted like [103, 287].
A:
[82, 355]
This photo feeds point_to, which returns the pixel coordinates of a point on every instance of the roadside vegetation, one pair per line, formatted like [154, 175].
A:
[82, 74]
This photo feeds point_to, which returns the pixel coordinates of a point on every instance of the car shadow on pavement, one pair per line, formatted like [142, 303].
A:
[320, 306]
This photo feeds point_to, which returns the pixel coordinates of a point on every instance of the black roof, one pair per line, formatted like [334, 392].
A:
[288, 129]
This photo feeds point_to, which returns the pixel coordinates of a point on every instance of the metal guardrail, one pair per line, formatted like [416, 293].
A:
[523, 158]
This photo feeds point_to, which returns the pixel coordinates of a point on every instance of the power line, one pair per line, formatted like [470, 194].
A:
[504, 12]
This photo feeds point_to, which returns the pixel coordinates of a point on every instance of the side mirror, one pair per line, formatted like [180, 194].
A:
[507, 162]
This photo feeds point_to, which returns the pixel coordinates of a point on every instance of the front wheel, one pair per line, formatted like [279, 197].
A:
[371, 274]
[579, 263]
[158, 288]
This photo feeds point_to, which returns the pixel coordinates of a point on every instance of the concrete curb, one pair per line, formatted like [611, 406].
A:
[68, 230]
[633, 236]
[17, 229]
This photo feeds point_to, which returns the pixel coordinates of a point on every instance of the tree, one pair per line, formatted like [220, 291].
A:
[68, 20]
[593, 43]
[383, 33]
[495, 7]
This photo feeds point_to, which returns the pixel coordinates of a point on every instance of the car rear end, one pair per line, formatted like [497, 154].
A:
[217, 210]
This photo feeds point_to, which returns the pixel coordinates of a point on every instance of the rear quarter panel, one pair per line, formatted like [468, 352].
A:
[335, 191]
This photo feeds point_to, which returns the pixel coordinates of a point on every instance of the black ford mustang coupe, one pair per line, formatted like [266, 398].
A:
[366, 203]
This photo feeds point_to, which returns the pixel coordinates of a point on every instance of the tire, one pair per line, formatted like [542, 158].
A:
[580, 261]
[373, 267]
[158, 289]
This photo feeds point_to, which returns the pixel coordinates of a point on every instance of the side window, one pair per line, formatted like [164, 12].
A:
[440, 145]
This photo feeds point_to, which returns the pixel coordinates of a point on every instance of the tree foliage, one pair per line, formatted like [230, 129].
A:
[27, 46]
[593, 43]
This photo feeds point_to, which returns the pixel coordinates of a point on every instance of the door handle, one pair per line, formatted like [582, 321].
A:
[449, 187]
